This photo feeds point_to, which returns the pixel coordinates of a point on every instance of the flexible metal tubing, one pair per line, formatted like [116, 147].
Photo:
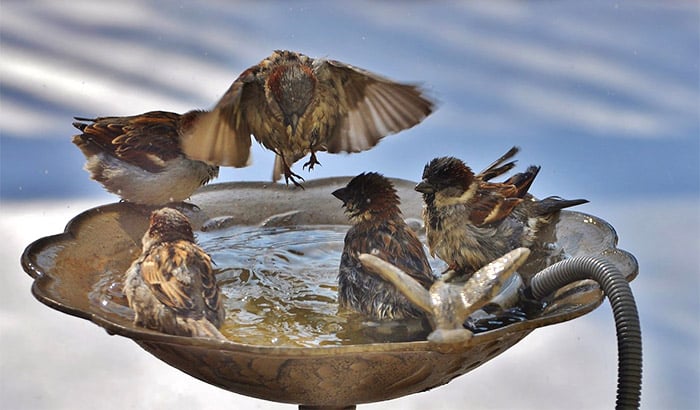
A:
[619, 293]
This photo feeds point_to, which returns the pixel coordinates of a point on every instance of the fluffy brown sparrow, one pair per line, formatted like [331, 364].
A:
[171, 287]
[470, 222]
[372, 205]
[294, 105]
[139, 157]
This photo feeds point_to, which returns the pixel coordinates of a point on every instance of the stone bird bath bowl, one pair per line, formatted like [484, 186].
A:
[102, 242]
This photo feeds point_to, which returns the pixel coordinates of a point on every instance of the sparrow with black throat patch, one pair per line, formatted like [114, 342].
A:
[171, 286]
[139, 157]
[470, 221]
[378, 228]
[295, 105]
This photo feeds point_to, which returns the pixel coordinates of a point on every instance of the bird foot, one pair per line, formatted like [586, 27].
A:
[291, 176]
[311, 162]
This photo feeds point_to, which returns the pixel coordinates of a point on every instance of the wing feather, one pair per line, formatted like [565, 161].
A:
[498, 167]
[169, 276]
[370, 106]
[493, 202]
[147, 140]
[402, 248]
[222, 136]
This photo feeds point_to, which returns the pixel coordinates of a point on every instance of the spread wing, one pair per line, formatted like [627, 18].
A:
[174, 272]
[147, 140]
[222, 136]
[370, 106]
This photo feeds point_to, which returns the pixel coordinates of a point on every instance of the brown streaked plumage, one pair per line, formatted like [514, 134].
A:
[372, 206]
[470, 222]
[139, 157]
[171, 286]
[295, 105]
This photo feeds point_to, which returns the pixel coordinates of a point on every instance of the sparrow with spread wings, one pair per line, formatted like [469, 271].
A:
[295, 105]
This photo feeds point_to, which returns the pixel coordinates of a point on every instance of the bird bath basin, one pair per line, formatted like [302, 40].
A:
[99, 245]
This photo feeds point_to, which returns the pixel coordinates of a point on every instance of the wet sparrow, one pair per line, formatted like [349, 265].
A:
[372, 205]
[171, 287]
[471, 222]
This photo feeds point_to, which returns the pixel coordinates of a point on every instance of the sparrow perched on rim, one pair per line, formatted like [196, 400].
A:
[470, 222]
[378, 228]
[139, 157]
[295, 105]
[171, 286]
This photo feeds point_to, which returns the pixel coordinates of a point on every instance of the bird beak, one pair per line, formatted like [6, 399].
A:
[292, 121]
[425, 187]
[340, 194]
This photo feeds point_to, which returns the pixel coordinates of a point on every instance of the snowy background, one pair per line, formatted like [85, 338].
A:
[603, 95]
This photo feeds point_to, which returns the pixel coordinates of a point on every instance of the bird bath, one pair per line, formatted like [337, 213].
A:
[99, 244]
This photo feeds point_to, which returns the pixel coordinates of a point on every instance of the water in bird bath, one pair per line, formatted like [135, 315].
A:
[280, 289]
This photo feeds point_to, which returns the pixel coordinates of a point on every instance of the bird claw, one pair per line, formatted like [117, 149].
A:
[311, 162]
[291, 176]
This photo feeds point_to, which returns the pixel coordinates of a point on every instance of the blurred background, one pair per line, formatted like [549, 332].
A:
[605, 96]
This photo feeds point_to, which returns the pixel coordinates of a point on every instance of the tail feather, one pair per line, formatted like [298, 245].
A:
[80, 125]
[201, 328]
[277, 169]
[497, 167]
[554, 203]
[85, 119]
[523, 180]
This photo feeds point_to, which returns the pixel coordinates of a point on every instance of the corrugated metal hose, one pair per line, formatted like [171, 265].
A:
[619, 293]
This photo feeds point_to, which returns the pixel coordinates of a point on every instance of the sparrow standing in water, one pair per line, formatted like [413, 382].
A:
[372, 205]
[171, 287]
[139, 157]
[470, 222]
[295, 105]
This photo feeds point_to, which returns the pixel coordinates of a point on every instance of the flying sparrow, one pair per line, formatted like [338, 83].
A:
[139, 157]
[295, 105]
[372, 206]
[470, 222]
[171, 286]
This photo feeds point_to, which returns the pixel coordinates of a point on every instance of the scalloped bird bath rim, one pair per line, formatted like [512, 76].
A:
[107, 239]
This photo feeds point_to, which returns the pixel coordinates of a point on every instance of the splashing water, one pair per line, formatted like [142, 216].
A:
[279, 288]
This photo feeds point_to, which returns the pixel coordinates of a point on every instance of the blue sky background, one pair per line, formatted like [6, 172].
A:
[603, 95]
[594, 92]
